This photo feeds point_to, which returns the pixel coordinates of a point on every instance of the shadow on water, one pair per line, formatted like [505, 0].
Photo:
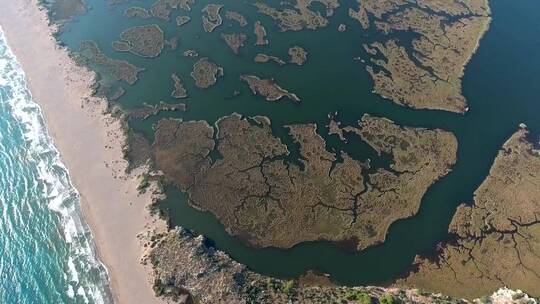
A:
[501, 84]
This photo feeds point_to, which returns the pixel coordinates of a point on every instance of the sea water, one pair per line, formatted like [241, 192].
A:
[46, 249]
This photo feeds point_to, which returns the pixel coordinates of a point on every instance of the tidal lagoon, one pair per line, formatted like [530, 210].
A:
[500, 85]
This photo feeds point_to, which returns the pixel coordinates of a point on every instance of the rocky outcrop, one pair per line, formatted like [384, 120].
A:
[187, 270]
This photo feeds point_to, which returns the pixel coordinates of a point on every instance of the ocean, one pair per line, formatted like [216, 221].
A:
[46, 249]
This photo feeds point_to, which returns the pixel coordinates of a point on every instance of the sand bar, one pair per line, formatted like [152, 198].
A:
[86, 140]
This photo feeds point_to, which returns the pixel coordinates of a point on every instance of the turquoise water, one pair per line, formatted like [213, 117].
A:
[46, 250]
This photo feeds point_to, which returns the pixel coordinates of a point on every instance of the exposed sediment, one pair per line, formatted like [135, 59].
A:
[190, 54]
[172, 43]
[497, 237]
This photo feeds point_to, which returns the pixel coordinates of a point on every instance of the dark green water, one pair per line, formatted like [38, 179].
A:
[502, 85]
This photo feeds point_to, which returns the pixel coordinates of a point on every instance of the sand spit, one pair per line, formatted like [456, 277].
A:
[90, 143]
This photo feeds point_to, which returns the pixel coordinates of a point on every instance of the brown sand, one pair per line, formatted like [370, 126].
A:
[90, 146]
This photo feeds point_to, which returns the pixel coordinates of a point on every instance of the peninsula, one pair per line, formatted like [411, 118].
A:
[425, 74]
[260, 198]
[497, 236]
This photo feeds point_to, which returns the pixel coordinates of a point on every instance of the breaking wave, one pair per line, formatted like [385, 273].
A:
[47, 251]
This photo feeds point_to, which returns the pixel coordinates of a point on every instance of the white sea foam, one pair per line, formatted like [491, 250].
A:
[57, 188]
[73, 271]
[70, 292]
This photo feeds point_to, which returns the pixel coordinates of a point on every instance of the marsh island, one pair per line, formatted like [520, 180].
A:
[212, 19]
[206, 73]
[267, 196]
[447, 34]
[267, 88]
[120, 70]
[322, 142]
[144, 41]
[234, 41]
[301, 16]
[497, 236]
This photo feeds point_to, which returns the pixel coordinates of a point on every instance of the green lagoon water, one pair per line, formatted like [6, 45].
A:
[501, 83]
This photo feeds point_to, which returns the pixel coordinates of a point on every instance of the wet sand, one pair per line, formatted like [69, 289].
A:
[90, 144]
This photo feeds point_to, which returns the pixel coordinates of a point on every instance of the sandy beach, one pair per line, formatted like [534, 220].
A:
[90, 144]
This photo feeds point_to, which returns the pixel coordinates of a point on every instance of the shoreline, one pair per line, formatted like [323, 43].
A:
[90, 144]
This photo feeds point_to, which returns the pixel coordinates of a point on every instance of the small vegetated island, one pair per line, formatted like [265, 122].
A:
[264, 58]
[162, 8]
[137, 12]
[297, 55]
[206, 73]
[181, 20]
[260, 32]
[151, 110]
[172, 43]
[179, 89]
[212, 19]
[267, 88]
[261, 197]
[301, 17]
[144, 41]
[236, 16]
[234, 41]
